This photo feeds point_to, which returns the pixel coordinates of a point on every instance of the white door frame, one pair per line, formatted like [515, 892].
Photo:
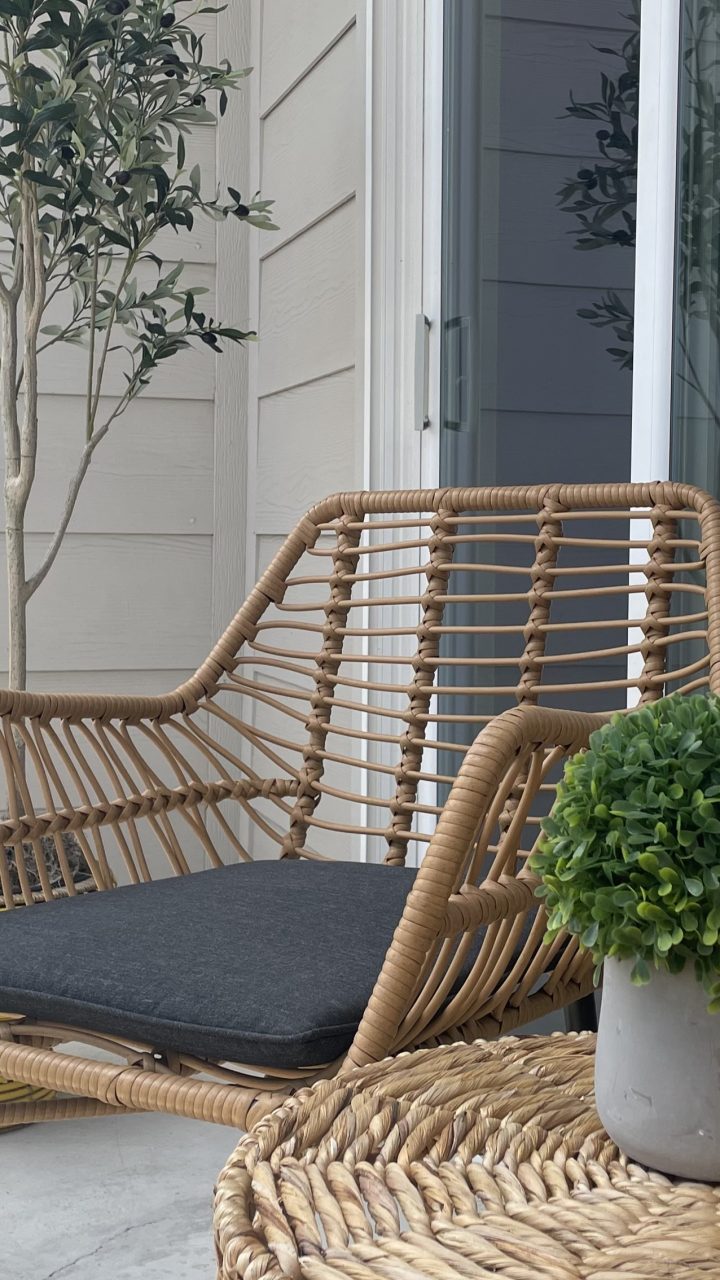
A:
[394, 210]
[433, 73]
[407, 97]
[655, 252]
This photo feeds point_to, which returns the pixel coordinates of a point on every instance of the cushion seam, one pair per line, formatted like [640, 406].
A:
[191, 1028]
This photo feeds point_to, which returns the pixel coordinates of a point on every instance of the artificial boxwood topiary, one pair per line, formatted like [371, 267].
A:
[630, 854]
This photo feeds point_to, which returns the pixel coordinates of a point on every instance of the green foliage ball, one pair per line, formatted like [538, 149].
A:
[630, 854]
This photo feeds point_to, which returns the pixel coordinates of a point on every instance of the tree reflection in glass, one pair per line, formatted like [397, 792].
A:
[601, 198]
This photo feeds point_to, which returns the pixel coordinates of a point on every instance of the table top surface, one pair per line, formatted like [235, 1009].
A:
[472, 1161]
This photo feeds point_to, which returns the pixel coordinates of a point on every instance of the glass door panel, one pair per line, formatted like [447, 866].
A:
[540, 166]
[538, 250]
[695, 402]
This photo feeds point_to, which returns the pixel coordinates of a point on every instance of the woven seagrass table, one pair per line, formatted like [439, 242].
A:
[471, 1161]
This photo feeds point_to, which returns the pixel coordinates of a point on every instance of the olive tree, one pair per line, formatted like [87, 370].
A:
[98, 98]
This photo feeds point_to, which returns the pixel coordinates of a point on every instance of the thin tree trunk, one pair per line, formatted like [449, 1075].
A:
[21, 438]
[14, 516]
[17, 603]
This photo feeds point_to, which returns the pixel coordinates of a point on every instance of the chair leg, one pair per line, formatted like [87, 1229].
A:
[582, 1015]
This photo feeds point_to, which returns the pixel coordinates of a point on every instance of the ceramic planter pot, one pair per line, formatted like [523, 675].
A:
[657, 1071]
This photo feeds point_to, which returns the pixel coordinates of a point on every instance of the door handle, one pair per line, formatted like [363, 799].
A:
[422, 361]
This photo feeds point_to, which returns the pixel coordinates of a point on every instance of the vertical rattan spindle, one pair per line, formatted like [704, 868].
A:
[345, 560]
[659, 597]
[550, 528]
[420, 690]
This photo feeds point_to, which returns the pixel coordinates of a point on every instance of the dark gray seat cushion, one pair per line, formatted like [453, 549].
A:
[268, 963]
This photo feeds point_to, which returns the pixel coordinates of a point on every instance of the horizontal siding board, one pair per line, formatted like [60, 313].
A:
[191, 375]
[114, 603]
[293, 37]
[307, 447]
[311, 143]
[308, 304]
[152, 474]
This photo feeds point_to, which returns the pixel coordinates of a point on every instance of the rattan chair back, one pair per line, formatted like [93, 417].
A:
[332, 715]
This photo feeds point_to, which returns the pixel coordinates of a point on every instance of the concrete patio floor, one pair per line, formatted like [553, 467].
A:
[118, 1198]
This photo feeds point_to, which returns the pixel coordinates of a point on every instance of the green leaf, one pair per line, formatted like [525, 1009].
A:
[649, 862]
[589, 936]
[42, 179]
[640, 973]
[650, 911]
[116, 238]
[52, 113]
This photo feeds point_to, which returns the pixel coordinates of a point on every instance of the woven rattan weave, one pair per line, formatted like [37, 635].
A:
[403, 683]
[472, 1162]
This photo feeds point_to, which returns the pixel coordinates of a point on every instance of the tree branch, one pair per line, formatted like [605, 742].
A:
[38, 577]
[100, 373]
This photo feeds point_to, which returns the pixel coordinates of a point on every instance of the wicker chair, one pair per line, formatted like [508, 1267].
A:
[403, 680]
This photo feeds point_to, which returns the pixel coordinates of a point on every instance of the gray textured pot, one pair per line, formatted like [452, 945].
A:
[657, 1071]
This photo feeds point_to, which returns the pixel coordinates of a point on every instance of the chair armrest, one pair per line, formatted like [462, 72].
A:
[424, 975]
[20, 705]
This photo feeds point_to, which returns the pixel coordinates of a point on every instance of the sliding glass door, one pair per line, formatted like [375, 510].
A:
[543, 140]
[538, 242]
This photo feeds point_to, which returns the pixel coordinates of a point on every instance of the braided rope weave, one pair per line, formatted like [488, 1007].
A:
[471, 1161]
